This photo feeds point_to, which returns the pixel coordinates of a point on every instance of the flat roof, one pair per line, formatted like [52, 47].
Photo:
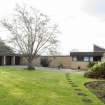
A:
[87, 53]
[9, 54]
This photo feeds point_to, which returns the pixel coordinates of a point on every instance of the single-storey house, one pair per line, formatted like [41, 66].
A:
[73, 61]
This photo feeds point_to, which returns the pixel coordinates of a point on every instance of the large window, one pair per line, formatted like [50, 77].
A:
[74, 58]
[86, 59]
[91, 59]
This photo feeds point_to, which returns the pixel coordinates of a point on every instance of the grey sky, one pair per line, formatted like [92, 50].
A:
[82, 22]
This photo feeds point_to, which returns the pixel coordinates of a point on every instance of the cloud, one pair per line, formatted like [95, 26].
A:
[95, 7]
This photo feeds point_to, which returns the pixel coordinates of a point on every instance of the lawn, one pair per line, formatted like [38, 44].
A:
[23, 87]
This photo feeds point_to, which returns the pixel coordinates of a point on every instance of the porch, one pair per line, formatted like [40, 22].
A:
[9, 60]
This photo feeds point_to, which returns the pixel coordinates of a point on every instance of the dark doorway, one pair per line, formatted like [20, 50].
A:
[1, 60]
[17, 60]
[8, 60]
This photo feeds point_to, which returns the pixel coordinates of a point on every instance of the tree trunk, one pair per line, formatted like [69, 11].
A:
[30, 65]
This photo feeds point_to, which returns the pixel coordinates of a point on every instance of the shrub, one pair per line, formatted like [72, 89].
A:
[60, 66]
[97, 71]
[90, 74]
[91, 64]
[44, 62]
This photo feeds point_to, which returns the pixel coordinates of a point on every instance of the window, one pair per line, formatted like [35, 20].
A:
[91, 59]
[74, 59]
[97, 58]
[86, 59]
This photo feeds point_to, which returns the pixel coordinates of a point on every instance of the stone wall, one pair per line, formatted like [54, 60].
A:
[64, 60]
[55, 61]
[82, 65]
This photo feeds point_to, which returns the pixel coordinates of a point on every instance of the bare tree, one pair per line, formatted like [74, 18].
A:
[32, 32]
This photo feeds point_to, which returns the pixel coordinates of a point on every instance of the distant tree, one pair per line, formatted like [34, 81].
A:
[32, 32]
[4, 48]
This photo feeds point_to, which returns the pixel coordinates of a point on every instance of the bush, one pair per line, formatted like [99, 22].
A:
[90, 74]
[91, 64]
[44, 62]
[97, 71]
[60, 66]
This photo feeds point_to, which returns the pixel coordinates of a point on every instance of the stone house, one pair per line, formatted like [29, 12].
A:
[74, 61]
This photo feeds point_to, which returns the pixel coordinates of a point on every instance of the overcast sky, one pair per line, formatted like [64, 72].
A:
[81, 22]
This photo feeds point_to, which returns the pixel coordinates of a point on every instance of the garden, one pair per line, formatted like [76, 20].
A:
[97, 71]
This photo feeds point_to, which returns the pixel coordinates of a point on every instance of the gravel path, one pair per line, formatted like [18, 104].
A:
[48, 69]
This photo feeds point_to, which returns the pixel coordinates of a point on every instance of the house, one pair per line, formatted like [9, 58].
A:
[74, 61]
[82, 59]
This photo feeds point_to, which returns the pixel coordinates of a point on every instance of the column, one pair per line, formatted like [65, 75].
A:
[4, 60]
[13, 60]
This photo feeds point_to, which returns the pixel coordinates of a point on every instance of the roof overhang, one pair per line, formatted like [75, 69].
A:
[73, 54]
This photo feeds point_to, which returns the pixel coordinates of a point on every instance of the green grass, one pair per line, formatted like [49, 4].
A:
[23, 87]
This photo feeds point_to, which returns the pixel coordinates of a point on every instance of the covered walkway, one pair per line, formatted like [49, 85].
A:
[9, 60]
